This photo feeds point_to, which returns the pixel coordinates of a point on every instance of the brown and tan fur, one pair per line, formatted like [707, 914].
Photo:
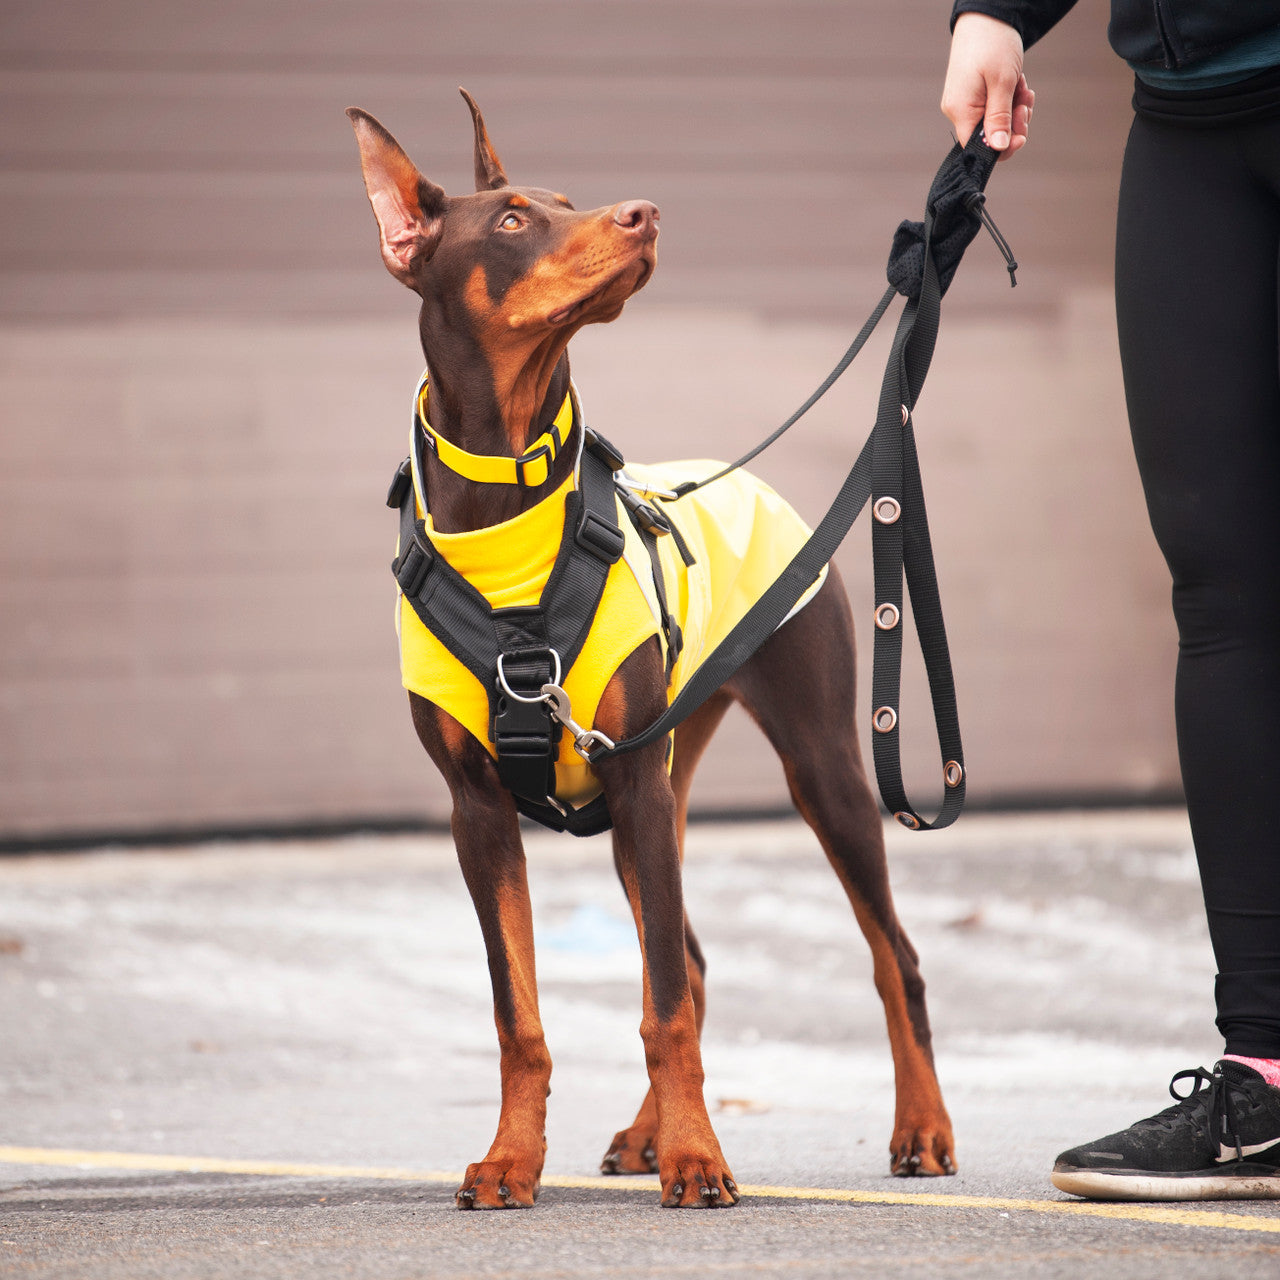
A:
[506, 277]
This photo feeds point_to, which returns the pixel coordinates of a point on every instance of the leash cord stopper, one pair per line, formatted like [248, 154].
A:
[977, 203]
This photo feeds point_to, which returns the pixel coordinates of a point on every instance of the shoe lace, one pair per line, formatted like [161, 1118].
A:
[1212, 1091]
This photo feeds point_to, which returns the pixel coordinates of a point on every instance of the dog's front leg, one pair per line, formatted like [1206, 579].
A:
[492, 860]
[642, 804]
[487, 834]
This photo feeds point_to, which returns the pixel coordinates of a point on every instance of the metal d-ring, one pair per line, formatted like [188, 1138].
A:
[522, 697]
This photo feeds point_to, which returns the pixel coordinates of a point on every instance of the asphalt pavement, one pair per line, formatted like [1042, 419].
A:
[273, 1059]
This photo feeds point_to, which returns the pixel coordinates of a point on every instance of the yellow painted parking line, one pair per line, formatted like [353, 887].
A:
[1161, 1214]
[211, 1164]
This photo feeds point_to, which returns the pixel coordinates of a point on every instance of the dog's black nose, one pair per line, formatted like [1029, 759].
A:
[638, 216]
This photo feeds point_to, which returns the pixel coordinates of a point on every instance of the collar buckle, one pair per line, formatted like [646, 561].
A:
[543, 453]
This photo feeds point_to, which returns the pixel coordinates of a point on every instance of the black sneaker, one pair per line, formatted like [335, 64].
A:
[1221, 1141]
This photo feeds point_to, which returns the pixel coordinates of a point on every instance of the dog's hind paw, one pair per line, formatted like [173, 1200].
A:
[629, 1153]
[493, 1185]
[921, 1155]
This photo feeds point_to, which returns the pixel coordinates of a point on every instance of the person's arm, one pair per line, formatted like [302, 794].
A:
[1031, 19]
[985, 84]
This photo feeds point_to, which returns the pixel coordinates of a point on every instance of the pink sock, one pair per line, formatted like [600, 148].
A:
[1267, 1068]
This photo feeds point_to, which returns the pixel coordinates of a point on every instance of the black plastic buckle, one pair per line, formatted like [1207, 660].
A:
[603, 449]
[413, 563]
[675, 638]
[401, 483]
[542, 451]
[601, 537]
[522, 728]
[643, 513]
[525, 746]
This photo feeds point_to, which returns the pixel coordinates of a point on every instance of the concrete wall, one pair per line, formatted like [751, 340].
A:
[205, 374]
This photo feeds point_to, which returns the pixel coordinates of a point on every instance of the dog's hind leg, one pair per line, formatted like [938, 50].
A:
[632, 1148]
[800, 688]
[487, 833]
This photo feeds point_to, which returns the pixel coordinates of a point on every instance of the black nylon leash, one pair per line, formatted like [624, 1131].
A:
[922, 264]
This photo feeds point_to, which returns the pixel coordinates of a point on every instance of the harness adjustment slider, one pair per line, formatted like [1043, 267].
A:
[599, 536]
[413, 563]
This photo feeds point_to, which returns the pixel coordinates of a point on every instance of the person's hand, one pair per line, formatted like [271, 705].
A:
[985, 84]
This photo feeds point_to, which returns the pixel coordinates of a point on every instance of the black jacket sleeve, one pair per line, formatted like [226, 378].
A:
[1029, 18]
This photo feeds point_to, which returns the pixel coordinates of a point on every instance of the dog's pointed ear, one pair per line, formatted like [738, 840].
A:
[489, 172]
[409, 208]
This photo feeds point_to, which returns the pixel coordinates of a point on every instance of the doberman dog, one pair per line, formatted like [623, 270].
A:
[506, 276]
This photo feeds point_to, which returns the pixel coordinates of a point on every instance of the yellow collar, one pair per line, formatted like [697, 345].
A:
[531, 469]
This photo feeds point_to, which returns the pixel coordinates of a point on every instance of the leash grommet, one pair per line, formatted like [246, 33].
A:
[887, 617]
[953, 773]
[906, 413]
[908, 820]
[886, 510]
[885, 720]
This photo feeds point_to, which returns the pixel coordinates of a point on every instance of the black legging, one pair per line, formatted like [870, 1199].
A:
[1196, 294]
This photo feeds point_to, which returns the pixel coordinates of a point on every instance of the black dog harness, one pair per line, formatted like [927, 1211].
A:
[522, 655]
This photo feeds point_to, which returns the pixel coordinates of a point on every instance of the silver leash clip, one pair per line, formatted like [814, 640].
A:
[584, 740]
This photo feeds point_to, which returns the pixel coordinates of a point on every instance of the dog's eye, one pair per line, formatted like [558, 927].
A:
[512, 222]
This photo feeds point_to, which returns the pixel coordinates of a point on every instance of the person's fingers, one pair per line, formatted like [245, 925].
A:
[997, 122]
[1023, 100]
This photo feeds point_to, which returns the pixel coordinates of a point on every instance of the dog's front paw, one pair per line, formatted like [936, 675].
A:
[922, 1152]
[630, 1152]
[498, 1185]
[694, 1183]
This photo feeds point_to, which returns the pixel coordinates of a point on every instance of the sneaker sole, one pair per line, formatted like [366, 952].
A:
[1253, 1183]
